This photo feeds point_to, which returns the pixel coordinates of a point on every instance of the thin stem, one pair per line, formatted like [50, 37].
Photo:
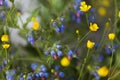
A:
[21, 20]
[87, 19]
[39, 52]
[6, 54]
[85, 60]
[111, 60]
[82, 40]
[114, 68]
[116, 11]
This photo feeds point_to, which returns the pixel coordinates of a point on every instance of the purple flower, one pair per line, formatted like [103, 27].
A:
[1, 2]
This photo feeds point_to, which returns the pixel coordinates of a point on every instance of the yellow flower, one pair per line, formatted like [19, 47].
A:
[52, 20]
[33, 19]
[102, 11]
[103, 71]
[119, 14]
[18, 13]
[65, 62]
[84, 7]
[111, 36]
[106, 3]
[5, 38]
[90, 44]
[6, 46]
[93, 27]
[35, 25]
[77, 31]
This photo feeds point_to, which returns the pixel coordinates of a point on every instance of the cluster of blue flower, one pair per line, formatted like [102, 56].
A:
[58, 25]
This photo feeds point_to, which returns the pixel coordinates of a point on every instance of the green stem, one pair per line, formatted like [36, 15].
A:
[6, 53]
[115, 75]
[111, 60]
[82, 40]
[115, 68]
[29, 59]
[116, 12]
[21, 20]
[87, 19]
[85, 60]
[39, 52]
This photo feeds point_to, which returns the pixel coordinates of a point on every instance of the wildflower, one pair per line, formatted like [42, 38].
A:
[93, 27]
[65, 62]
[119, 14]
[77, 31]
[33, 19]
[111, 36]
[52, 20]
[106, 3]
[84, 7]
[61, 74]
[5, 38]
[90, 44]
[102, 11]
[103, 71]
[18, 13]
[35, 25]
[1, 2]
[6, 46]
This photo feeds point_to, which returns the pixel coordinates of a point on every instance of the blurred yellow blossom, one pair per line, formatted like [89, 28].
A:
[106, 3]
[93, 27]
[102, 11]
[90, 44]
[119, 14]
[65, 62]
[111, 36]
[103, 71]
[84, 7]
[18, 13]
[77, 31]
[5, 38]
[33, 19]
[52, 20]
[5, 46]
[35, 26]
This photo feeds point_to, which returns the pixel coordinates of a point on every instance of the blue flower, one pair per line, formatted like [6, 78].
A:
[52, 52]
[31, 40]
[78, 20]
[41, 74]
[57, 67]
[57, 29]
[101, 58]
[46, 52]
[59, 46]
[33, 66]
[59, 53]
[21, 78]
[29, 77]
[70, 52]
[62, 74]
[46, 75]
